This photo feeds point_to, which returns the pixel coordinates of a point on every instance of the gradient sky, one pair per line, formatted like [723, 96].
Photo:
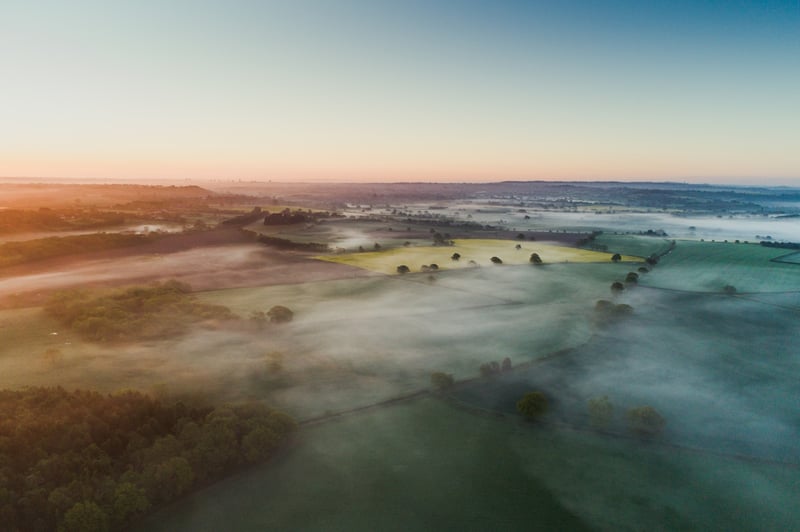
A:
[402, 91]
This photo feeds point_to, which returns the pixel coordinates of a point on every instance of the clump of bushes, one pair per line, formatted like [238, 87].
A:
[159, 310]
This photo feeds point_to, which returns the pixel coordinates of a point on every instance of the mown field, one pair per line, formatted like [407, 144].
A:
[478, 250]
[710, 266]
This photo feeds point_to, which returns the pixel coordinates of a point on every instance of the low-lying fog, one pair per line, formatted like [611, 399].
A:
[744, 227]
[140, 229]
[203, 268]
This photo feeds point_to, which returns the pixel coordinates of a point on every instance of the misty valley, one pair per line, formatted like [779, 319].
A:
[512, 356]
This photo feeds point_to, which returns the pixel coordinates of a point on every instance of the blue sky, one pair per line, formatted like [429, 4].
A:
[411, 90]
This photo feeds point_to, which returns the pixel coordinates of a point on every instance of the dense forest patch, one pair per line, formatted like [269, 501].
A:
[85, 461]
[136, 313]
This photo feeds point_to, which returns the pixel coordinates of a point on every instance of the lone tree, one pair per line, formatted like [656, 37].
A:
[600, 412]
[280, 314]
[455, 256]
[403, 269]
[496, 260]
[535, 259]
[729, 289]
[532, 405]
[617, 287]
[518, 246]
[616, 257]
[441, 381]
[645, 421]
[506, 364]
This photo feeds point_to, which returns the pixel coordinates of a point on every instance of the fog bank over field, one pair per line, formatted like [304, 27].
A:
[742, 227]
[204, 268]
[721, 370]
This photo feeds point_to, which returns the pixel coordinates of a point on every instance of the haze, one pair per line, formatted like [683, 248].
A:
[401, 91]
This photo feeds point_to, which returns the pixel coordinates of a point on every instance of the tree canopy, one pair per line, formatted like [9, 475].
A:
[135, 313]
[533, 405]
[86, 461]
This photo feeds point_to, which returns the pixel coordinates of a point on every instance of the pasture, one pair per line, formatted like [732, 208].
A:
[710, 266]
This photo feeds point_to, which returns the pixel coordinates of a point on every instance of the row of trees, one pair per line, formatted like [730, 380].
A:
[13, 253]
[63, 219]
[643, 421]
[84, 461]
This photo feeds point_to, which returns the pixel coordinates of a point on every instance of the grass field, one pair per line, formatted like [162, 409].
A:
[478, 250]
[428, 466]
[640, 246]
[709, 266]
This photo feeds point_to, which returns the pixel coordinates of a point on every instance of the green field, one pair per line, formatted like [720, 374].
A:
[478, 250]
[640, 246]
[709, 266]
[428, 466]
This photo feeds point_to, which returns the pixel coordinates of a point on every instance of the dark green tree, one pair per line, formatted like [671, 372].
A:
[533, 405]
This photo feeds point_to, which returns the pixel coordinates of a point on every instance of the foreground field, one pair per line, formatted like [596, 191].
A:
[428, 466]
[478, 250]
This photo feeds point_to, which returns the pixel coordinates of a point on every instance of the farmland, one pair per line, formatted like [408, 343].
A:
[478, 251]
[354, 365]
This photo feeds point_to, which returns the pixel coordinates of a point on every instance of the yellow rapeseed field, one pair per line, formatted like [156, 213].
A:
[478, 250]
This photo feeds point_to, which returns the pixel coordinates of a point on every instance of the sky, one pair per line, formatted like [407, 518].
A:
[370, 90]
